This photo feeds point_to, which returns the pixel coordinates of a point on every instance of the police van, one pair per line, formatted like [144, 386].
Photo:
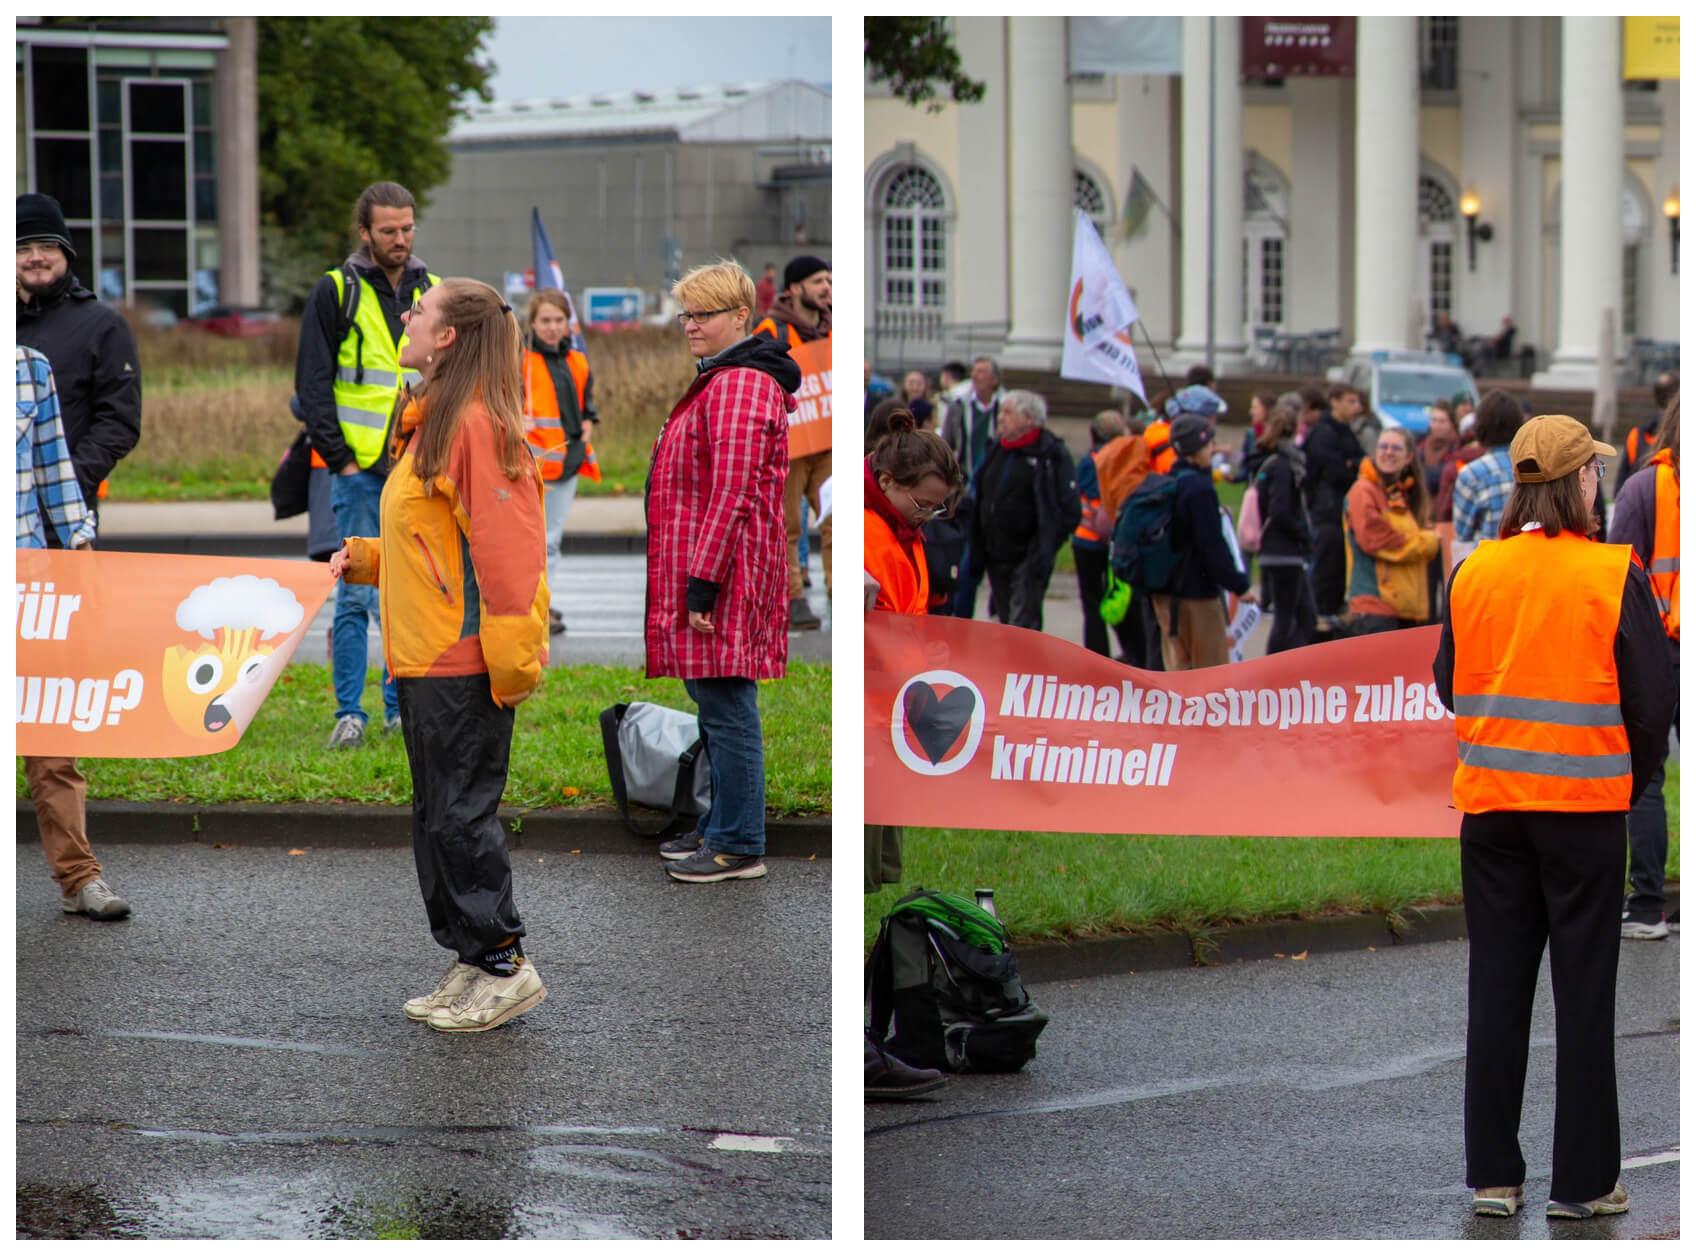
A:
[1400, 385]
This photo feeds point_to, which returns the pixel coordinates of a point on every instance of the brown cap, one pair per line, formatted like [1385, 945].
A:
[1552, 445]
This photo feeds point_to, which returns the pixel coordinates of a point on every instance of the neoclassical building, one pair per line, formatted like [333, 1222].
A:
[1335, 198]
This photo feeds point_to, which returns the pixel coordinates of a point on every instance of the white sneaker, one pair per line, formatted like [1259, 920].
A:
[450, 987]
[348, 734]
[96, 901]
[489, 1001]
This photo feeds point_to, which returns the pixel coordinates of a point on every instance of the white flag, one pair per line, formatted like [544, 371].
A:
[1099, 316]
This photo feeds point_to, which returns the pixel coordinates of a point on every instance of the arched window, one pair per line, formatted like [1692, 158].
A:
[914, 255]
[1437, 242]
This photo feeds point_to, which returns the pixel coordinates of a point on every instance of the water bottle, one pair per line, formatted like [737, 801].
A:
[986, 901]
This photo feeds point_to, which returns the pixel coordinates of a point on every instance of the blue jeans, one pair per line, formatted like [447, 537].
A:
[355, 499]
[729, 712]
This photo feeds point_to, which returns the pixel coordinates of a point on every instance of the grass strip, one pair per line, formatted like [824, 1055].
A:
[557, 759]
[1071, 885]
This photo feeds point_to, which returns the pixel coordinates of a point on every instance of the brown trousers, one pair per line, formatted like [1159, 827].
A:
[806, 475]
[60, 792]
[1203, 639]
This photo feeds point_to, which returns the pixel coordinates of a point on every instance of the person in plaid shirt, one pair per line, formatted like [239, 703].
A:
[717, 608]
[47, 486]
[1482, 486]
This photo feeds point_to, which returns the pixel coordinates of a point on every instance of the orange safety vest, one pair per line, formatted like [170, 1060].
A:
[1631, 441]
[770, 325]
[1536, 692]
[1663, 561]
[542, 404]
[1158, 436]
[903, 583]
[1084, 532]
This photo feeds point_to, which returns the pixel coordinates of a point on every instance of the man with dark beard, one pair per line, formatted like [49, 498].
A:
[800, 314]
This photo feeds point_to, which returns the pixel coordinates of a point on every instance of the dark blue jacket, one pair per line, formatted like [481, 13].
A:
[1198, 534]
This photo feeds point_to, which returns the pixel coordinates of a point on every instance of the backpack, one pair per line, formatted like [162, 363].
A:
[1143, 553]
[942, 974]
[1249, 525]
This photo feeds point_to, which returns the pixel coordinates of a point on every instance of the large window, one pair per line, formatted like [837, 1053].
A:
[1088, 196]
[1437, 245]
[1439, 53]
[914, 241]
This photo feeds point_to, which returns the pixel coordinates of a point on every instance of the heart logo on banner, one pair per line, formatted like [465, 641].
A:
[937, 722]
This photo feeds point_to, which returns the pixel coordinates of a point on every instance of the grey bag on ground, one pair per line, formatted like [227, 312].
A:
[655, 759]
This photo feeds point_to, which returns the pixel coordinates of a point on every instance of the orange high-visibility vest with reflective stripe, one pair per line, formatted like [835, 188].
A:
[1536, 692]
[542, 404]
[1663, 562]
[1084, 532]
[1158, 436]
[903, 582]
[789, 338]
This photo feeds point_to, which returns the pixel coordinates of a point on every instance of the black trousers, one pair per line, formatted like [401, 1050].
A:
[1330, 568]
[1531, 877]
[1092, 584]
[1294, 617]
[457, 743]
[1016, 589]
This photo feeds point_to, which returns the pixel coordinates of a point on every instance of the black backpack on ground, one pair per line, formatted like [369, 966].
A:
[941, 973]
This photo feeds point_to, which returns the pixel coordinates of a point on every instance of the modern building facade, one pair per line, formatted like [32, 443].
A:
[635, 186]
[146, 133]
[1335, 193]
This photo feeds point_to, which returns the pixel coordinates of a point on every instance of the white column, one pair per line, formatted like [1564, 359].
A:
[1592, 167]
[237, 133]
[1223, 35]
[1386, 167]
[1039, 127]
[1488, 128]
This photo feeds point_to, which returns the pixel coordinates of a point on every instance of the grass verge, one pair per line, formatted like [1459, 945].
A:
[557, 760]
[1071, 885]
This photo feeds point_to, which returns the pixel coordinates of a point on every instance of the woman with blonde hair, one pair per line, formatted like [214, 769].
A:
[458, 570]
[717, 606]
[559, 416]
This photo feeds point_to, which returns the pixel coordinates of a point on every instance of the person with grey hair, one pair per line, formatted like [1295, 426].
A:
[1027, 505]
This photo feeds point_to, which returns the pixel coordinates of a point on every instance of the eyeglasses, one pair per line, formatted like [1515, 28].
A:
[926, 511]
[685, 318]
[416, 308]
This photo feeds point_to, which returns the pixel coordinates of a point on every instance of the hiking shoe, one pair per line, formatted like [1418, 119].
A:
[1498, 1201]
[889, 1078]
[1612, 1204]
[1672, 921]
[682, 847]
[348, 734]
[716, 865]
[450, 987]
[391, 725]
[488, 1001]
[96, 901]
[1643, 926]
[801, 617]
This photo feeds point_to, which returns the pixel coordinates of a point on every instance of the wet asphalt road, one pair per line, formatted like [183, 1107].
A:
[601, 599]
[233, 1062]
[1287, 1099]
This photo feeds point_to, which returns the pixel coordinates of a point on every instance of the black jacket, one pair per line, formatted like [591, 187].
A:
[1205, 565]
[96, 371]
[1643, 658]
[1054, 485]
[1333, 462]
[1285, 536]
[315, 360]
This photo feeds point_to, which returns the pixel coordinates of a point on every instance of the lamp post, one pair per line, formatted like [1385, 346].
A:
[1669, 207]
[1475, 230]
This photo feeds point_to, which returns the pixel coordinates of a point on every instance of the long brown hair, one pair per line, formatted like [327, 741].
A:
[1557, 504]
[482, 364]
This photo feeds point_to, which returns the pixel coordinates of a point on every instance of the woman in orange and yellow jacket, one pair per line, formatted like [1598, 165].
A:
[1389, 544]
[458, 568]
[559, 418]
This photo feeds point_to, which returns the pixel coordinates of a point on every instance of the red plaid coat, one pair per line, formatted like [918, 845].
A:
[715, 511]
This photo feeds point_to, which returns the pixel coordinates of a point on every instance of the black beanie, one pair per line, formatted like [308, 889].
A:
[803, 268]
[40, 218]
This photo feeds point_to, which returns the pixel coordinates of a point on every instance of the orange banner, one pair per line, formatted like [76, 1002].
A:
[980, 726]
[809, 426]
[152, 656]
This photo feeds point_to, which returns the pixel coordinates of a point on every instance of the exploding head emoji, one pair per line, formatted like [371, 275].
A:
[219, 680]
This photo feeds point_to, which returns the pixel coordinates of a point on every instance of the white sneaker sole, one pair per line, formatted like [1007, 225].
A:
[517, 1009]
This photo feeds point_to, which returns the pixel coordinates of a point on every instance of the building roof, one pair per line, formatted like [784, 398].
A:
[753, 112]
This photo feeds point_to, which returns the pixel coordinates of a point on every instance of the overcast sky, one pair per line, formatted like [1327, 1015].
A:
[562, 56]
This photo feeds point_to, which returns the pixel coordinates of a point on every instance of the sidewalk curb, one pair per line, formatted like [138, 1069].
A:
[353, 826]
[293, 545]
[1236, 944]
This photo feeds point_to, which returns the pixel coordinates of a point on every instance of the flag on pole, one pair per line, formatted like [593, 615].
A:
[1138, 201]
[548, 274]
[1099, 316]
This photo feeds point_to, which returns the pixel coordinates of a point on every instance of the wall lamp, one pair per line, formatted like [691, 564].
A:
[1669, 207]
[1475, 230]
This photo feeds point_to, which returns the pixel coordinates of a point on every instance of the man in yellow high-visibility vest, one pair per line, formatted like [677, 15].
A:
[347, 377]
